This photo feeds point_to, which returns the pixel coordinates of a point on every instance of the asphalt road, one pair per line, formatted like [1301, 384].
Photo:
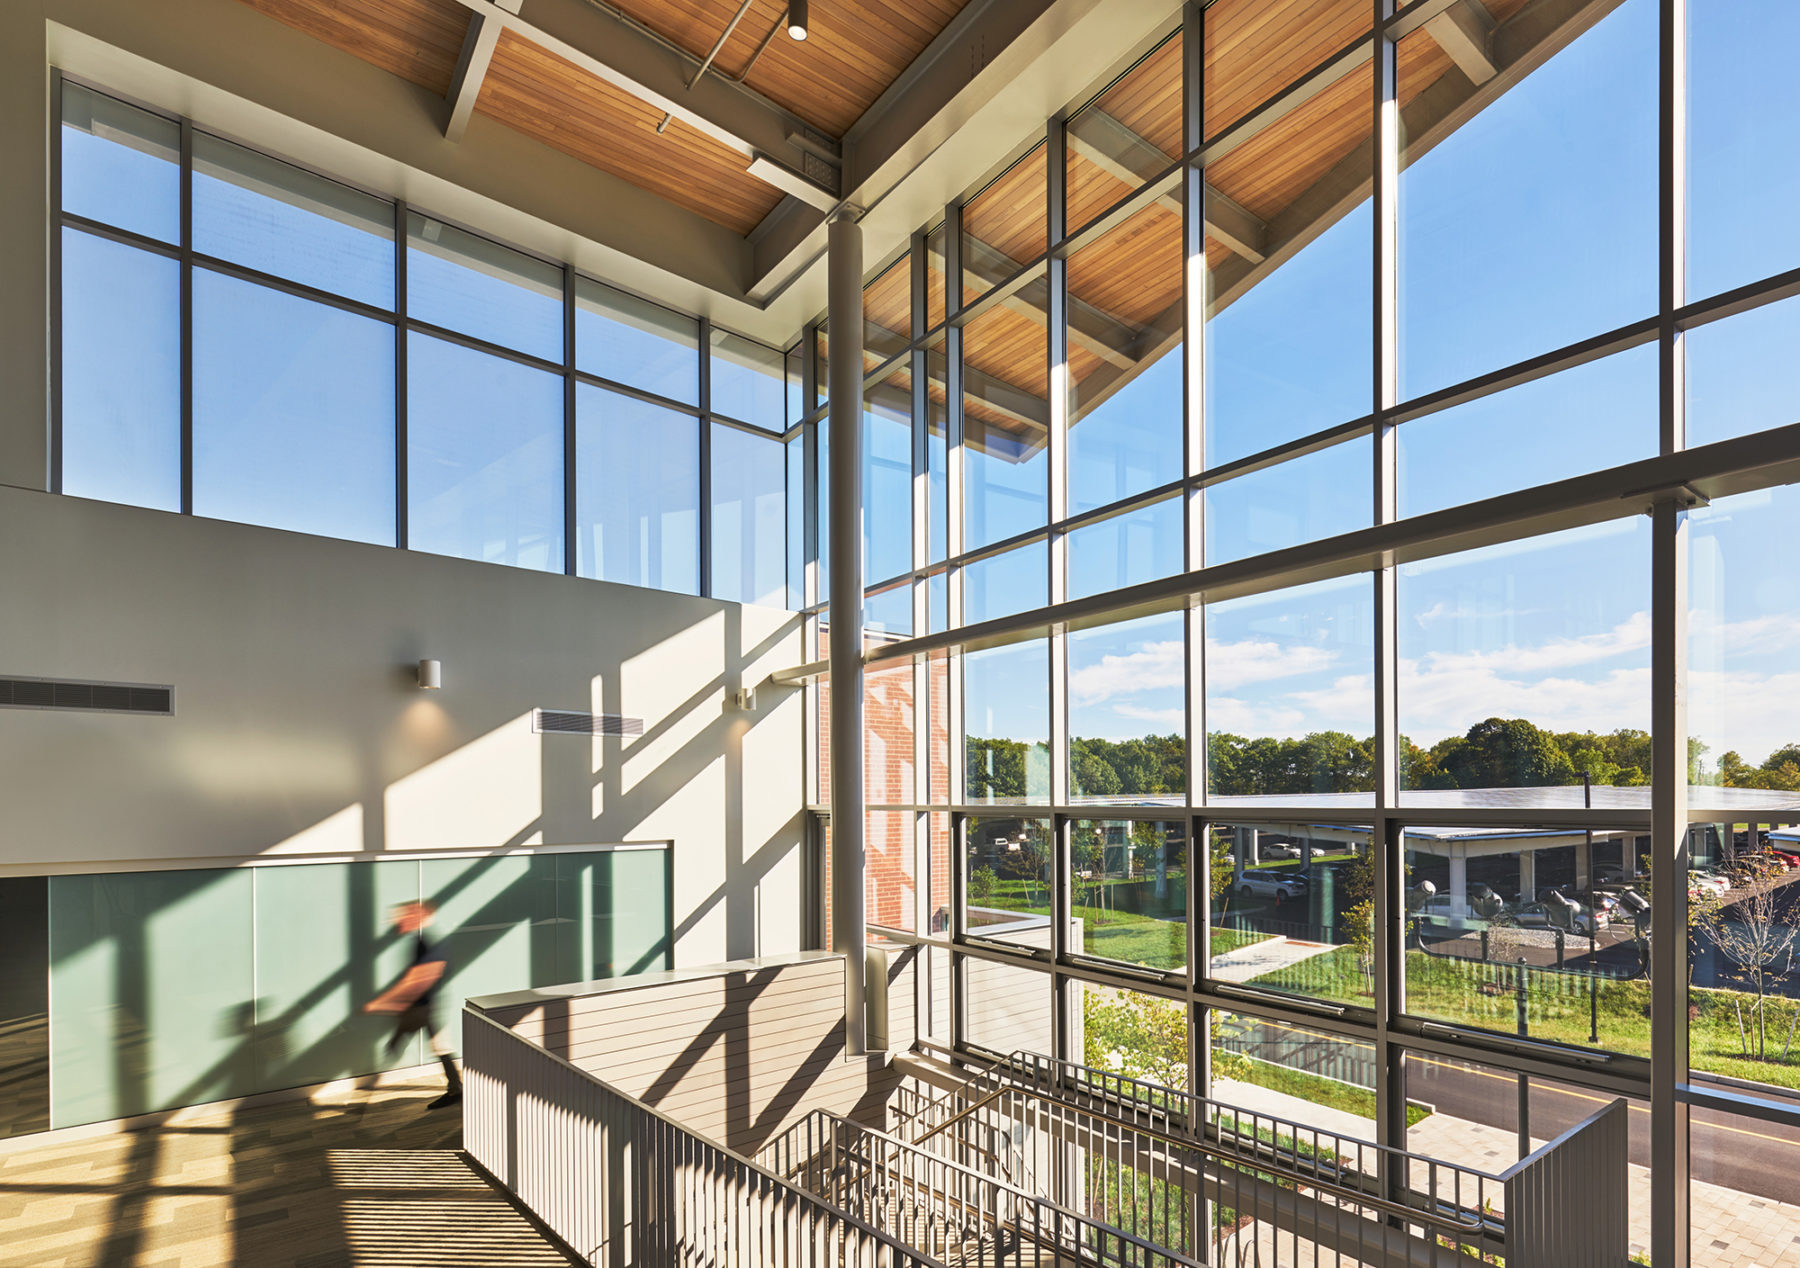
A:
[1743, 1154]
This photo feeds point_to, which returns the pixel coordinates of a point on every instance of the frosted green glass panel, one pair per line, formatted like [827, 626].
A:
[615, 913]
[496, 922]
[150, 990]
[325, 946]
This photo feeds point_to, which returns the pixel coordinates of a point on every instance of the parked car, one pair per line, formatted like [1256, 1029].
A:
[1279, 883]
[1708, 883]
[1280, 851]
[1438, 915]
[1604, 906]
[1540, 916]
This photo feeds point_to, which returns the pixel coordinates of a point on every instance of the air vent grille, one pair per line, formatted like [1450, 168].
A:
[87, 697]
[565, 722]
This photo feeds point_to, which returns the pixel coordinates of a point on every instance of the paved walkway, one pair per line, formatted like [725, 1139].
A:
[1266, 956]
[362, 1179]
[1730, 1229]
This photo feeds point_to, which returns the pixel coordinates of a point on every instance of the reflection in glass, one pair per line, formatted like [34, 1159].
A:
[1289, 701]
[890, 722]
[1304, 499]
[1127, 711]
[889, 611]
[267, 215]
[1011, 873]
[1005, 427]
[1312, 884]
[1004, 225]
[1129, 903]
[1125, 361]
[477, 287]
[1527, 664]
[293, 412]
[890, 888]
[484, 456]
[749, 514]
[637, 495]
[1579, 131]
[1126, 549]
[634, 342]
[1006, 584]
[1302, 1070]
[937, 459]
[1006, 724]
[1743, 156]
[1742, 375]
[1126, 135]
[121, 373]
[1541, 933]
[887, 313]
[796, 521]
[120, 165]
[748, 381]
[1597, 415]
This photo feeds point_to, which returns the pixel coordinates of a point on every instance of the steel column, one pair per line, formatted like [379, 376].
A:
[844, 318]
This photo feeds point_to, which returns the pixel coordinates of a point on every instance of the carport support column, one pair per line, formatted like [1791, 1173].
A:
[844, 330]
[1459, 880]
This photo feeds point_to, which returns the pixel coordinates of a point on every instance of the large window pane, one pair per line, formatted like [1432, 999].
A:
[1743, 153]
[937, 458]
[888, 612]
[475, 286]
[260, 212]
[1125, 549]
[120, 165]
[1288, 350]
[1011, 877]
[1005, 425]
[484, 456]
[1006, 724]
[1318, 495]
[1290, 699]
[1126, 135]
[1493, 267]
[121, 373]
[1006, 584]
[634, 342]
[293, 412]
[890, 723]
[1293, 1072]
[1009, 1008]
[1130, 897]
[1514, 930]
[637, 496]
[1128, 711]
[887, 479]
[1742, 1209]
[1593, 416]
[1125, 363]
[796, 521]
[749, 517]
[748, 381]
[1004, 225]
[1524, 665]
[1292, 905]
[887, 312]
[1742, 375]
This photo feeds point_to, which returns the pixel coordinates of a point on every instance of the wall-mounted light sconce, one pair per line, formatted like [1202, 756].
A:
[797, 19]
[746, 699]
[431, 674]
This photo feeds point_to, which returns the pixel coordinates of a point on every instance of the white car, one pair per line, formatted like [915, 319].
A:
[1279, 883]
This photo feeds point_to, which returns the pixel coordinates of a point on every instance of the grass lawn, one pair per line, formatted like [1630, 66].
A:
[1308, 1087]
[1557, 1009]
[1131, 938]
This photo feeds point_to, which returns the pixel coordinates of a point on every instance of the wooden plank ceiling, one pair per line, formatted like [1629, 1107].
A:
[854, 51]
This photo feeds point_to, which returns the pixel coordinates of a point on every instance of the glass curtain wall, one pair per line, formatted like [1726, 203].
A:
[1349, 588]
[247, 340]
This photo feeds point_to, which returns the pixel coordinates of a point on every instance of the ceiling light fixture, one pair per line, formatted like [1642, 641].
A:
[797, 19]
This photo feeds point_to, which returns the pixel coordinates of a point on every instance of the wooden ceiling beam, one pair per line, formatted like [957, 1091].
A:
[1091, 328]
[1463, 31]
[471, 69]
[658, 74]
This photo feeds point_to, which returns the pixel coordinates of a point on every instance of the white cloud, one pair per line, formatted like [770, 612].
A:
[1153, 667]
[1630, 635]
[1162, 721]
[1237, 664]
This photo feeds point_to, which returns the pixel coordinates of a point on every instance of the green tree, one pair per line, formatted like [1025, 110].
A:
[1505, 753]
[982, 884]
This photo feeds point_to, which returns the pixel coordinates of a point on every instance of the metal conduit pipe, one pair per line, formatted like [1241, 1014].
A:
[844, 329]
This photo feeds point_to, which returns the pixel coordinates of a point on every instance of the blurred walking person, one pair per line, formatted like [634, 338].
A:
[414, 997]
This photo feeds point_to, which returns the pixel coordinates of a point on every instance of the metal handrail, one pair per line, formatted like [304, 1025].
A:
[694, 1144]
[1062, 1213]
[1264, 1159]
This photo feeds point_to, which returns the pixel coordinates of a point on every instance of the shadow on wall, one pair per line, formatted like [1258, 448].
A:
[179, 987]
